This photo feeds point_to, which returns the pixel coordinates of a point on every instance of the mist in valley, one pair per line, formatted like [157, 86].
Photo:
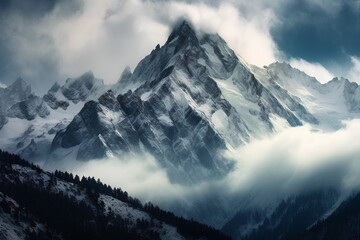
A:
[293, 162]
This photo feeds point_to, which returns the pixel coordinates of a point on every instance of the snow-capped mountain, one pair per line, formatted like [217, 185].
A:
[31, 122]
[185, 103]
[330, 103]
[179, 104]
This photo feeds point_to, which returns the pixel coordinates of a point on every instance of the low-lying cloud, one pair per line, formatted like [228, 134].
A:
[295, 161]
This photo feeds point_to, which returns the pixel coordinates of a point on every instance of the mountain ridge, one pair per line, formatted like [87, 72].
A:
[186, 103]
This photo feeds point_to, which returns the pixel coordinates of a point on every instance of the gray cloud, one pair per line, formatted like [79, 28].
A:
[68, 38]
[26, 49]
[49, 41]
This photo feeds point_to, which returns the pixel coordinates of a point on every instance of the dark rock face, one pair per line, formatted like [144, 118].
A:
[99, 128]
[52, 101]
[29, 109]
[16, 92]
[3, 119]
[79, 89]
[352, 95]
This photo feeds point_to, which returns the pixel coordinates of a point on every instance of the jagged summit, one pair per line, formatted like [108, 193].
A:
[182, 29]
[19, 82]
[87, 76]
[126, 74]
[54, 88]
[79, 89]
[19, 90]
[19, 85]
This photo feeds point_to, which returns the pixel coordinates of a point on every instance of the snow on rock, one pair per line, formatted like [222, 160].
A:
[122, 209]
[16, 92]
[29, 109]
[83, 87]
[330, 103]
[13, 222]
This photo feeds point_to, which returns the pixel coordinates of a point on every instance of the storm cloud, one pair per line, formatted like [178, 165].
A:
[48, 41]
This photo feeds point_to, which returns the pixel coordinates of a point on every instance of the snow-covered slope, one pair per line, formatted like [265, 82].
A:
[28, 123]
[85, 87]
[330, 103]
[15, 223]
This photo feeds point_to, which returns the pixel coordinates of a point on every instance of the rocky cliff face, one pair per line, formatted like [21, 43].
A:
[16, 92]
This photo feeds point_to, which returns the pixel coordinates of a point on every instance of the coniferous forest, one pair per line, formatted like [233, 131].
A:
[65, 217]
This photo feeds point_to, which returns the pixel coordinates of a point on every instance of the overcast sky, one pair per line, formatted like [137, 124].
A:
[44, 41]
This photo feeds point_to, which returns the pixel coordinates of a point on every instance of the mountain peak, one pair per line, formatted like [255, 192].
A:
[55, 87]
[20, 86]
[182, 28]
[19, 82]
[126, 74]
[79, 88]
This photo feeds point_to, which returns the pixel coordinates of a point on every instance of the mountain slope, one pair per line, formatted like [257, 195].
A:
[330, 103]
[85, 208]
[186, 103]
[16, 92]
[28, 123]
[343, 223]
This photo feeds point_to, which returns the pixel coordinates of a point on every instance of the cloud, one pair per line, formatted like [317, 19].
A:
[72, 37]
[64, 38]
[248, 36]
[295, 161]
[312, 69]
[2, 85]
[108, 36]
[354, 73]
[319, 31]
[137, 173]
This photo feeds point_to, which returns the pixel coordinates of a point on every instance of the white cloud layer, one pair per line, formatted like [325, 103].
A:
[312, 69]
[292, 162]
[297, 160]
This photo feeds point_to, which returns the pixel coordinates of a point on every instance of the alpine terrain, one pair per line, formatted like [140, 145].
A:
[186, 104]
